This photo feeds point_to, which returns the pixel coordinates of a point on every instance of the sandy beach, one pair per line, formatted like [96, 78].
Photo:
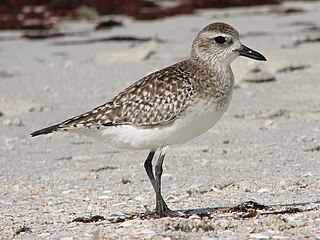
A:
[265, 149]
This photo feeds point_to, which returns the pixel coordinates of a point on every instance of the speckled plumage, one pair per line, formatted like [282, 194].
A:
[155, 99]
[169, 106]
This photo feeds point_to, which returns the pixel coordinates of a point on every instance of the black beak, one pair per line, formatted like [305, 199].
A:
[248, 52]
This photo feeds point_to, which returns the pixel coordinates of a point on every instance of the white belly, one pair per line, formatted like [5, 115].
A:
[199, 119]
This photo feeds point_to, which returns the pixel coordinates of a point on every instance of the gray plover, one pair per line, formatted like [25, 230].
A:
[169, 106]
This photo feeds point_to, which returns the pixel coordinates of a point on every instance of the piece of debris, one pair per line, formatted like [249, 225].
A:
[258, 75]
[125, 181]
[21, 230]
[247, 207]
[275, 114]
[6, 74]
[107, 39]
[308, 39]
[314, 149]
[292, 68]
[287, 10]
[95, 218]
[107, 24]
[285, 211]
[268, 114]
[103, 169]
[64, 158]
[42, 34]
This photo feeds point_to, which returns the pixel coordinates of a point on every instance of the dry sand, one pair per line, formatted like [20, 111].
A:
[265, 149]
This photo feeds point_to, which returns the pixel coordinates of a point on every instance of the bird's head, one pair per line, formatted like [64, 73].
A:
[218, 43]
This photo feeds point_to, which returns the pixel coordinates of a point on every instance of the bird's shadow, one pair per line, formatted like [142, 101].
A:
[248, 209]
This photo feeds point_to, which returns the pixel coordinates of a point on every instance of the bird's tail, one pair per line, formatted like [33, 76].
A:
[46, 130]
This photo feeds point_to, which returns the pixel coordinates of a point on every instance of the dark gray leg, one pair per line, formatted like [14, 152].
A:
[161, 207]
[148, 168]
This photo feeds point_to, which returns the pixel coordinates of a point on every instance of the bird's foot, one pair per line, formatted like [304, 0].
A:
[164, 212]
[160, 214]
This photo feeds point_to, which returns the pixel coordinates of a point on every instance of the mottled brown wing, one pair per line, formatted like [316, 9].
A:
[156, 99]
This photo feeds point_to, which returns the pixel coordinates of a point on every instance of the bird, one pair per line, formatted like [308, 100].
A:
[170, 106]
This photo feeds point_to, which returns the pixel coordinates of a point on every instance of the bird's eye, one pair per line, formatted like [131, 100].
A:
[220, 39]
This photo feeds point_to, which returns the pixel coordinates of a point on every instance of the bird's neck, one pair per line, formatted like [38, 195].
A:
[216, 67]
[219, 80]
